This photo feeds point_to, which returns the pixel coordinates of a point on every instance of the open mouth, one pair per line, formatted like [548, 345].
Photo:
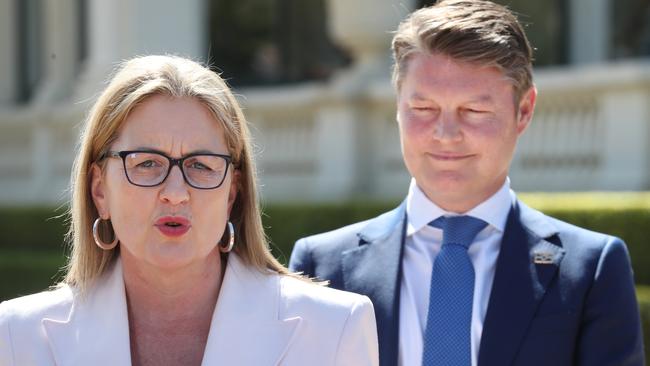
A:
[173, 225]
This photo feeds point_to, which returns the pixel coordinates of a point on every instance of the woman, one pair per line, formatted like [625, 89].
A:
[170, 265]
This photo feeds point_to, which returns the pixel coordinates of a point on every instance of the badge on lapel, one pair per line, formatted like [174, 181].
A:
[540, 257]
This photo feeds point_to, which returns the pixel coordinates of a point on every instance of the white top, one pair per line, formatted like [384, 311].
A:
[422, 245]
[259, 319]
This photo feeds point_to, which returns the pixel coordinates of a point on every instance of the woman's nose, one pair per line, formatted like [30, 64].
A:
[175, 190]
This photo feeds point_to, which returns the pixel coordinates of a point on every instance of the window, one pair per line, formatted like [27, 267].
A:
[257, 42]
[630, 29]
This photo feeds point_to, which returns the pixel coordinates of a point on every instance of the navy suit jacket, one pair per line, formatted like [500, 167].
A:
[580, 308]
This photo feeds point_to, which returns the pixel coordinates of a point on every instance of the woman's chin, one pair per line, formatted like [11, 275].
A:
[170, 257]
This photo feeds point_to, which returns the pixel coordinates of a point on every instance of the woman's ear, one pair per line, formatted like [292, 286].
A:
[98, 191]
[234, 189]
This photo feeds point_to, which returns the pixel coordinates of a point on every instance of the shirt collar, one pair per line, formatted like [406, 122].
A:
[421, 210]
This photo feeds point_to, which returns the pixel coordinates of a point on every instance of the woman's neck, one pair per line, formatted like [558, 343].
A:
[168, 308]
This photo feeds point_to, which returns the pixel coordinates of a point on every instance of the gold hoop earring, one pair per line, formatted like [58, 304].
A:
[231, 240]
[98, 240]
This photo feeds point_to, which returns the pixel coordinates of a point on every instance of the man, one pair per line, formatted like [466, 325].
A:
[462, 272]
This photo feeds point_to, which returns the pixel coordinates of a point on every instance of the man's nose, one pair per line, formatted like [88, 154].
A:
[447, 127]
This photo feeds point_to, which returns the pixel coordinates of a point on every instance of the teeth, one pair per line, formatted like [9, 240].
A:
[173, 224]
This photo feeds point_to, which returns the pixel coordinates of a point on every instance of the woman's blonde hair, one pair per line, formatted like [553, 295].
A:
[136, 80]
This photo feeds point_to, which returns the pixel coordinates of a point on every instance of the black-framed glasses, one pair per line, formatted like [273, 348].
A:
[149, 168]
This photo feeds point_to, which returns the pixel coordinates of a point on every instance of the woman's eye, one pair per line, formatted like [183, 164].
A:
[147, 164]
[199, 166]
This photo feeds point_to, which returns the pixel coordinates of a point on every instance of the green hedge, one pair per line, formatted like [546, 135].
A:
[624, 215]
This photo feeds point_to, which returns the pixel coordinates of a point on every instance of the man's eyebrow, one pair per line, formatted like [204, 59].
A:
[483, 98]
[418, 97]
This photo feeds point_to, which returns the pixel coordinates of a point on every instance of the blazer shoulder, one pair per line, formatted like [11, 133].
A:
[311, 297]
[343, 322]
[54, 304]
[21, 320]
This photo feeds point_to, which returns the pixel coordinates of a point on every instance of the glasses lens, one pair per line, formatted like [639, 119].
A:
[146, 169]
[205, 171]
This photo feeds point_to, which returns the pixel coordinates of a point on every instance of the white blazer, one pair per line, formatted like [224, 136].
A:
[258, 320]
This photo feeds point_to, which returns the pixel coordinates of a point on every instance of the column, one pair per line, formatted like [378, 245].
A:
[60, 34]
[108, 36]
[364, 28]
[8, 38]
[627, 139]
[589, 31]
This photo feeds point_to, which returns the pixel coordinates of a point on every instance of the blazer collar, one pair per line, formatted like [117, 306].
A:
[247, 327]
[520, 282]
[96, 330]
[373, 268]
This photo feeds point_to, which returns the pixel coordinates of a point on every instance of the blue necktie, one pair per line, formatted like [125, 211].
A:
[447, 337]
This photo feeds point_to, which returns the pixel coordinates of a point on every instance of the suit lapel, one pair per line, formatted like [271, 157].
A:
[247, 328]
[519, 283]
[374, 269]
[96, 330]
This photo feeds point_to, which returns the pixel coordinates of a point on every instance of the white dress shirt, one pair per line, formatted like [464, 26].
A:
[422, 245]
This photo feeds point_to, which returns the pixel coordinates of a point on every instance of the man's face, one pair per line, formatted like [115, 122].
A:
[459, 126]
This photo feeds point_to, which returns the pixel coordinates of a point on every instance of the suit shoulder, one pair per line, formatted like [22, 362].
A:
[545, 226]
[348, 236]
[583, 236]
[52, 303]
[335, 237]
[585, 249]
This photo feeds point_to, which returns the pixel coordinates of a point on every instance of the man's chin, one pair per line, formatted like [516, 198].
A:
[450, 194]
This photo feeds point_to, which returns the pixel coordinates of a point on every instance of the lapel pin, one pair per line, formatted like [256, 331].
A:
[543, 258]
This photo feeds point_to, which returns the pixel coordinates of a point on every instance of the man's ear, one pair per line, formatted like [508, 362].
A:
[98, 191]
[233, 189]
[526, 109]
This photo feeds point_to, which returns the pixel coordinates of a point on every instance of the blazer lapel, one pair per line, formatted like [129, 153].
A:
[247, 328]
[96, 330]
[374, 269]
[526, 265]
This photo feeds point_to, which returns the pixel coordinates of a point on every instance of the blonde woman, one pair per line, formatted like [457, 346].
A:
[170, 265]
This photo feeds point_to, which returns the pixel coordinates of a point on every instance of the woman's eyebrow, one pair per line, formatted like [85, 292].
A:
[154, 150]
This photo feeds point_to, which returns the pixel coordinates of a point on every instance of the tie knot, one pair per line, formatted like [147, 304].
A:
[458, 230]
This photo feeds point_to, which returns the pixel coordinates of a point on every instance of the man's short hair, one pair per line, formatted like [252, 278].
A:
[474, 31]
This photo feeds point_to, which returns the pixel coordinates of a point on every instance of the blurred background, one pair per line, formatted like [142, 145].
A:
[314, 79]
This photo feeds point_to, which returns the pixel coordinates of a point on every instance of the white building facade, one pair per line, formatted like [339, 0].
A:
[330, 140]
